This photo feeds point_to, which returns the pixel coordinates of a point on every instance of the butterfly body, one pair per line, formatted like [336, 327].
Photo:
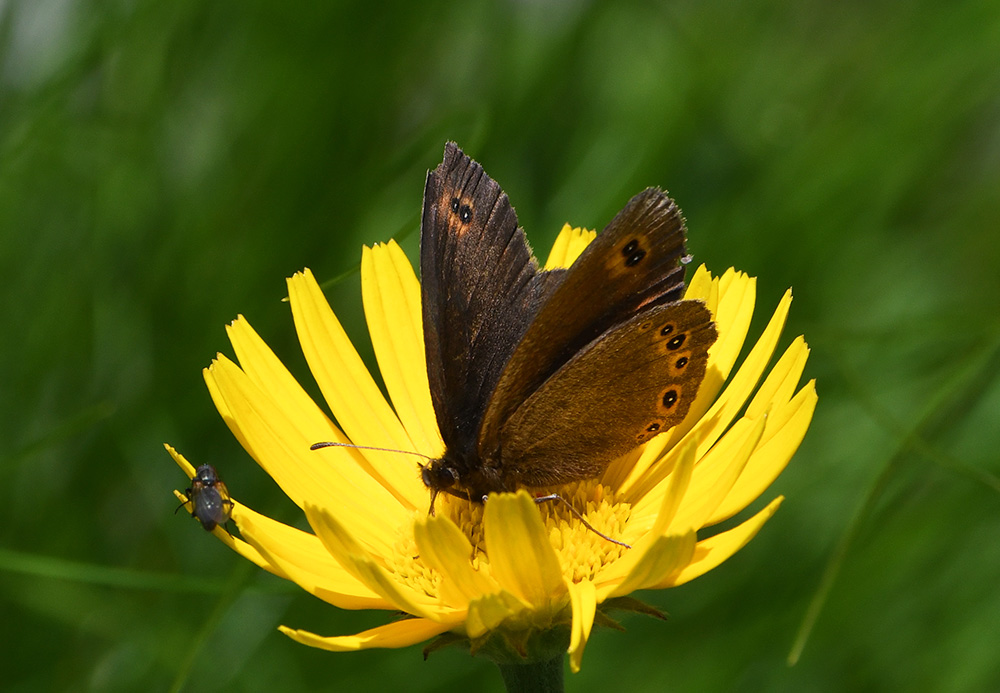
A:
[544, 377]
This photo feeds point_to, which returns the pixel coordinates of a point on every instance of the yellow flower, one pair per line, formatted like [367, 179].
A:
[508, 566]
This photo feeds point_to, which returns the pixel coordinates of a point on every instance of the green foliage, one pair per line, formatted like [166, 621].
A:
[165, 165]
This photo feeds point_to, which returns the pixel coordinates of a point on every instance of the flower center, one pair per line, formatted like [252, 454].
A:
[583, 552]
[405, 564]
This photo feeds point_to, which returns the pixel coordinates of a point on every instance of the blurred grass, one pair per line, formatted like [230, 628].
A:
[164, 166]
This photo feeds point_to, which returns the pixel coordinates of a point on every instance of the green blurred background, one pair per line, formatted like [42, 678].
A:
[165, 165]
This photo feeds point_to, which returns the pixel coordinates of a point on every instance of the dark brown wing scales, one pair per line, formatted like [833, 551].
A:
[480, 287]
[633, 382]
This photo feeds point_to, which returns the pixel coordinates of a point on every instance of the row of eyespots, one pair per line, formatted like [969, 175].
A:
[675, 343]
[672, 396]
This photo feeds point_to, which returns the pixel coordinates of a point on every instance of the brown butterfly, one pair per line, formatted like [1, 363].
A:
[540, 377]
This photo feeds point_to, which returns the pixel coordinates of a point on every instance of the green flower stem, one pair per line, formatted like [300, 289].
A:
[534, 677]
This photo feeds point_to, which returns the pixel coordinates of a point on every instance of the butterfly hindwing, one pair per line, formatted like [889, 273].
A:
[633, 382]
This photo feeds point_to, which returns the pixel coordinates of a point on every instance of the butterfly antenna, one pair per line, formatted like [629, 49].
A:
[330, 444]
[556, 497]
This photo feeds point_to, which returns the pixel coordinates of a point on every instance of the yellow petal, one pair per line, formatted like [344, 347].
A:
[306, 476]
[652, 530]
[403, 633]
[302, 559]
[736, 298]
[391, 296]
[278, 386]
[238, 545]
[667, 556]
[181, 461]
[789, 424]
[647, 524]
[350, 391]
[781, 381]
[490, 610]
[736, 393]
[568, 245]
[270, 376]
[239, 511]
[715, 550]
[699, 286]
[715, 475]
[719, 417]
[521, 557]
[445, 548]
[583, 598]
[680, 481]
[359, 563]
[732, 315]
[220, 403]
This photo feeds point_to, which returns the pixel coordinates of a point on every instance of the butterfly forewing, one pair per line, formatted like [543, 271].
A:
[480, 289]
[635, 381]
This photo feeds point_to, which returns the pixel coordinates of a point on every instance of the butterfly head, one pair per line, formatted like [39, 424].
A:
[438, 476]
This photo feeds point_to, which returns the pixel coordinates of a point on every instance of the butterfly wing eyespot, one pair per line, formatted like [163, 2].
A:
[462, 209]
[457, 217]
[670, 398]
[652, 430]
[633, 253]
